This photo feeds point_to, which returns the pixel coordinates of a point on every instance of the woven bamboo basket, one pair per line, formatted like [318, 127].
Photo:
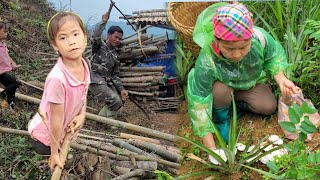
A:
[183, 17]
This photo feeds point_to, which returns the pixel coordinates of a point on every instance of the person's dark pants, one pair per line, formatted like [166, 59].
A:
[40, 148]
[11, 84]
[108, 94]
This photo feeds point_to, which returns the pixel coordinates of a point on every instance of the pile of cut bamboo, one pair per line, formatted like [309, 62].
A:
[128, 155]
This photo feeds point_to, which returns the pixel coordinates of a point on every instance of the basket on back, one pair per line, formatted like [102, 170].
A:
[183, 17]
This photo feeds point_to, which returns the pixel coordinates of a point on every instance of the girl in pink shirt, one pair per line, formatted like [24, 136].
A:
[63, 104]
[7, 65]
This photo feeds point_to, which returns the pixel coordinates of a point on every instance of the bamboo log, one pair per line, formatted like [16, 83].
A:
[99, 151]
[141, 89]
[142, 29]
[132, 74]
[14, 131]
[137, 172]
[122, 144]
[121, 170]
[146, 139]
[124, 158]
[159, 150]
[31, 85]
[145, 165]
[150, 11]
[153, 68]
[110, 122]
[137, 84]
[143, 37]
[141, 79]
[143, 93]
[106, 147]
[63, 156]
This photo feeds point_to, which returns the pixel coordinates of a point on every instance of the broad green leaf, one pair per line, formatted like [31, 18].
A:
[293, 115]
[308, 109]
[312, 158]
[308, 126]
[302, 136]
[272, 166]
[298, 110]
[288, 126]
[318, 156]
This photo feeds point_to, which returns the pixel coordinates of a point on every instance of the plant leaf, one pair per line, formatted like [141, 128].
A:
[272, 166]
[308, 109]
[302, 136]
[288, 126]
[293, 115]
[270, 175]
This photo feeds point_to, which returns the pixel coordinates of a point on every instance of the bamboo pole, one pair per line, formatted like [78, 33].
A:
[154, 68]
[143, 93]
[135, 39]
[109, 121]
[31, 85]
[137, 84]
[146, 165]
[132, 74]
[137, 172]
[159, 150]
[146, 139]
[63, 156]
[14, 131]
[141, 79]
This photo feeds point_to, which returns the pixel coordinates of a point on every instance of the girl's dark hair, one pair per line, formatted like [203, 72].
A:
[58, 20]
[113, 29]
[3, 25]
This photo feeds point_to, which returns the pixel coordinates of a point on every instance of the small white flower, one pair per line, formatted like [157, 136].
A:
[250, 148]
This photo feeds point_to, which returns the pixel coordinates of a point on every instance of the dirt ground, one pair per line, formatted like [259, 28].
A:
[252, 125]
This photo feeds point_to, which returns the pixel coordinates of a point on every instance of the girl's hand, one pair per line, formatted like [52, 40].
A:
[54, 160]
[76, 124]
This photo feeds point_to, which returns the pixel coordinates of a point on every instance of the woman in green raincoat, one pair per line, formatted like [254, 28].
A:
[235, 58]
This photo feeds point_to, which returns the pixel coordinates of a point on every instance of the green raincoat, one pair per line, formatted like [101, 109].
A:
[263, 59]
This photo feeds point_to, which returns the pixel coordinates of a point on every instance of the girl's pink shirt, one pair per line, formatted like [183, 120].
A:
[5, 62]
[61, 87]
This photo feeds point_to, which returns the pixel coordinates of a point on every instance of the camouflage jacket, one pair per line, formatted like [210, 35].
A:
[105, 63]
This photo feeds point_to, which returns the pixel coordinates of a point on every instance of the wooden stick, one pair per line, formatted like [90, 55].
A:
[146, 165]
[137, 172]
[110, 122]
[99, 151]
[63, 156]
[137, 84]
[143, 93]
[154, 68]
[132, 74]
[161, 151]
[135, 39]
[14, 131]
[146, 139]
[31, 85]
[141, 79]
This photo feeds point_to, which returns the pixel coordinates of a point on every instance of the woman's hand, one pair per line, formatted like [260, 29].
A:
[286, 86]
[54, 160]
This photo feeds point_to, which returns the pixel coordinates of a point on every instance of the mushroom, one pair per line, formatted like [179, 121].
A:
[275, 140]
[240, 146]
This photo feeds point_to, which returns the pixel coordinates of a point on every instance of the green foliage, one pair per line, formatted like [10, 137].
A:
[14, 5]
[235, 161]
[184, 63]
[295, 114]
[162, 175]
[295, 24]
[298, 163]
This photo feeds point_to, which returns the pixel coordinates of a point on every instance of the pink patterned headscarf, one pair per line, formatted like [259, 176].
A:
[233, 22]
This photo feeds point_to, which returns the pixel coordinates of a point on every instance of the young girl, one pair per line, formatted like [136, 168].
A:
[236, 58]
[63, 103]
[6, 65]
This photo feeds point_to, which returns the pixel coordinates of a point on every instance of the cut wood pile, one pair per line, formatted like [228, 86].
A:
[114, 156]
[145, 85]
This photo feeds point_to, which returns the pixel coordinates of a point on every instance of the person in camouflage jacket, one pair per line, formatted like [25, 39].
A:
[105, 83]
